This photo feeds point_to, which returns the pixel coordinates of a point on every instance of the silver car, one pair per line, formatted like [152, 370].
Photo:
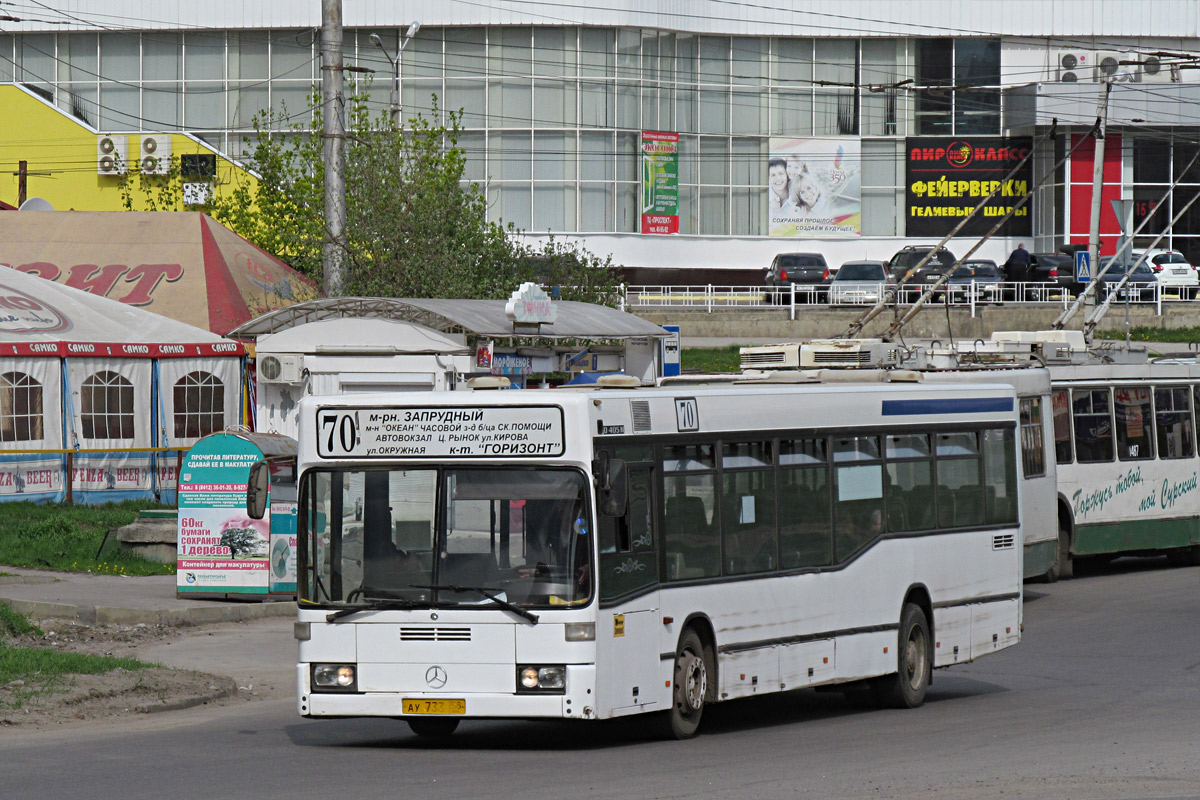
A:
[860, 283]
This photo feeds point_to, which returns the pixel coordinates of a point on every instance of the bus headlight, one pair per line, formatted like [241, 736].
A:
[334, 678]
[551, 679]
[580, 632]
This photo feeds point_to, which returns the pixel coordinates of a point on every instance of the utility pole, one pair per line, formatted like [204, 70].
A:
[333, 103]
[1098, 178]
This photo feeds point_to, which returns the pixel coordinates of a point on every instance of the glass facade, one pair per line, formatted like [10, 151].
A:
[553, 114]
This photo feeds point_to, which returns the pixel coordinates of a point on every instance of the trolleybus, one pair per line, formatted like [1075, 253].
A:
[606, 551]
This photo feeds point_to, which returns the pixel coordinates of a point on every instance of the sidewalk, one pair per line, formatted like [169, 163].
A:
[117, 600]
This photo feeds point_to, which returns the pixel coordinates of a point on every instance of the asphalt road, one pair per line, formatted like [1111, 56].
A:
[1100, 700]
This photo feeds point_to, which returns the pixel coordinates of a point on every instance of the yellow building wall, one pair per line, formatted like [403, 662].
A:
[61, 152]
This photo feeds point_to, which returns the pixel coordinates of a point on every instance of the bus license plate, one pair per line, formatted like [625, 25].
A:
[441, 706]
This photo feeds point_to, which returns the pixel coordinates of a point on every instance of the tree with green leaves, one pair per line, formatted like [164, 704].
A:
[415, 226]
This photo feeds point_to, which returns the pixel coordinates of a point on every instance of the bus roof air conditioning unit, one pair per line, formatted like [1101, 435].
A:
[283, 368]
[1155, 71]
[111, 154]
[1074, 66]
[771, 356]
[849, 353]
[1109, 67]
[156, 153]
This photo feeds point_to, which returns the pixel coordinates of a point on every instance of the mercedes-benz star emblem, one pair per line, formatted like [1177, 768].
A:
[435, 677]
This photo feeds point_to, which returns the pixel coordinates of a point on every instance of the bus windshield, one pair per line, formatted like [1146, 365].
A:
[522, 535]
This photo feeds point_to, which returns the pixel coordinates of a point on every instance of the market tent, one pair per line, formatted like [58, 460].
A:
[182, 265]
[97, 399]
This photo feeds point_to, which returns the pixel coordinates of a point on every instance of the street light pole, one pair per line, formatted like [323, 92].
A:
[395, 62]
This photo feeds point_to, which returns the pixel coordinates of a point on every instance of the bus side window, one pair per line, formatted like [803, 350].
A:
[1092, 411]
[628, 557]
[1063, 453]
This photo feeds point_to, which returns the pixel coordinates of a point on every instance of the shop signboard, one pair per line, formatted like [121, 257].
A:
[946, 177]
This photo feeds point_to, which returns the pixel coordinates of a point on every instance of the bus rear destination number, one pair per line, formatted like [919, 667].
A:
[446, 432]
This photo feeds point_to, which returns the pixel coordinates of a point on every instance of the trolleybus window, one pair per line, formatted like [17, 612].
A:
[858, 510]
[999, 477]
[910, 500]
[1033, 453]
[959, 486]
[1093, 425]
[1173, 423]
[1134, 438]
[804, 504]
[1063, 452]
[748, 508]
[690, 537]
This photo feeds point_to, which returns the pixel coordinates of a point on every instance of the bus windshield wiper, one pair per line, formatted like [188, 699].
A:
[495, 598]
[375, 604]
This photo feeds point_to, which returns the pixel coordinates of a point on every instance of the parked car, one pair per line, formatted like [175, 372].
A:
[1142, 280]
[860, 282]
[801, 269]
[908, 257]
[1171, 267]
[979, 277]
[1051, 268]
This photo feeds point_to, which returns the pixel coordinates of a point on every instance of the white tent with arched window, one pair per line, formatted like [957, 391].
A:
[98, 399]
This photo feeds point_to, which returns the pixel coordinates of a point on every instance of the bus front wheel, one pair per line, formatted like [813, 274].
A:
[690, 688]
[433, 727]
[906, 689]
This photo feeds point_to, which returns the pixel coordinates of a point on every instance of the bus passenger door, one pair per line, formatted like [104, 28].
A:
[627, 625]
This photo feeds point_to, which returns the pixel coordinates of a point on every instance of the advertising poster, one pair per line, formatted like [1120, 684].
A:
[814, 187]
[31, 477]
[221, 549]
[946, 177]
[660, 182]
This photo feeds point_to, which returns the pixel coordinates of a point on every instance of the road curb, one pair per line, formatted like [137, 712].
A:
[227, 688]
[113, 615]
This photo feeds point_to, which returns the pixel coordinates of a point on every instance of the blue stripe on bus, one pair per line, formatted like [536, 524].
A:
[963, 405]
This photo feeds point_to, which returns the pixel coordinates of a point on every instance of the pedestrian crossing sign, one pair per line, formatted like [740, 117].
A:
[1083, 266]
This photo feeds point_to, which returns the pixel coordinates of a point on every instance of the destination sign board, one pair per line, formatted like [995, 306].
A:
[443, 432]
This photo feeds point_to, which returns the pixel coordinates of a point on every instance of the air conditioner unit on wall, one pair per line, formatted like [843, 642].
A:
[1109, 67]
[156, 153]
[282, 368]
[1074, 66]
[112, 154]
[1155, 71]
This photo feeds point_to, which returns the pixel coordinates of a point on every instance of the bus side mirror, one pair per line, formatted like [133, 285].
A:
[612, 486]
[258, 488]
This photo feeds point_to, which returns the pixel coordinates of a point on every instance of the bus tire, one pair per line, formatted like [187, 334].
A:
[432, 727]
[689, 689]
[1064, 564]
[914, 666]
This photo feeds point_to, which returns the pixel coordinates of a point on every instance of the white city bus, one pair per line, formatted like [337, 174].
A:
[600, 552]
[998, 361]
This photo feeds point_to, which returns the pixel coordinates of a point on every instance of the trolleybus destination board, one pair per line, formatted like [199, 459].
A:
[442, 432]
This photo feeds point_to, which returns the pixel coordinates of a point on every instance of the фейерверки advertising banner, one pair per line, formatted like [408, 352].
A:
[948, 176]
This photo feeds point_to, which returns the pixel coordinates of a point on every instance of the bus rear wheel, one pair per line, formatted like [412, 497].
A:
[907, 688]
[432, 727]
[690, 688]
[1064, 565]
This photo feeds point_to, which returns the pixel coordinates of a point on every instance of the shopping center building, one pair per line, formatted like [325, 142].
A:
[708, 134]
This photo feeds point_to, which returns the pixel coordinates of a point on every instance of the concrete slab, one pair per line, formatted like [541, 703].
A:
[116, 599]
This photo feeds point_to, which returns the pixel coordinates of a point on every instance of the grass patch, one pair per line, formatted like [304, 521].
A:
[45, 665]
[68, 538]
[1142, 333]
[13, 624]
[712, 359]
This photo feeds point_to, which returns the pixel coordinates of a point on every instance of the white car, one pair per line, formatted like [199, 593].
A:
[860, 282]
[1169, 266]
